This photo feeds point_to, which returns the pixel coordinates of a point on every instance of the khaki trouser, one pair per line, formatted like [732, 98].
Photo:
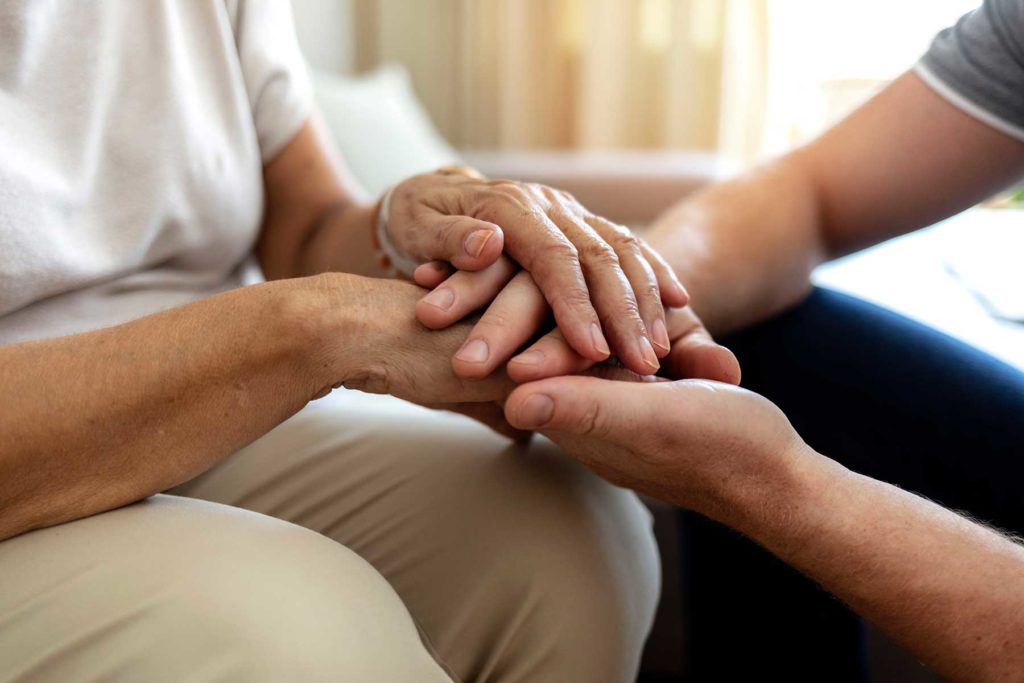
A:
[394, 544]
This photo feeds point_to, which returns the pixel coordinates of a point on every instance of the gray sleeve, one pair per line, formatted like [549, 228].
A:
[978, 65]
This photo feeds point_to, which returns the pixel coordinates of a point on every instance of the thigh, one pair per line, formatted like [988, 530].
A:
[172, 589]
[516, 563]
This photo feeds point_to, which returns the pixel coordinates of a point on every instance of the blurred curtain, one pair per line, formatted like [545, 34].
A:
[580, 73]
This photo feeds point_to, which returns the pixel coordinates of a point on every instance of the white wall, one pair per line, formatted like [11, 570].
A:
[324, 28]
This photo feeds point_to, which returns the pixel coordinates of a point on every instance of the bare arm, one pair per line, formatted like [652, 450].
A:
[93, 421]
[905, 159]
[97, 420]
[318, 219]
[951, 590]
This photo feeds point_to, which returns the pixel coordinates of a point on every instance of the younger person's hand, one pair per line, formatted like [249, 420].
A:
[520, 312]
[691, 442]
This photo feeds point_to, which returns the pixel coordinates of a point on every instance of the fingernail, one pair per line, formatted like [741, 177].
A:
[647, 352]
[536, 411]
[529, 358]
[598, 338]
[474, 351]
[476, 242]
[442, 298]
[659, 335]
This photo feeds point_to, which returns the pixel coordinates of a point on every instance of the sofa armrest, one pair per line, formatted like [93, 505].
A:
[630, 187]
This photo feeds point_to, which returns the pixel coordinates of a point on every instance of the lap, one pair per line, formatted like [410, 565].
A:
[516, 563]
[174, 589]
[508, 556]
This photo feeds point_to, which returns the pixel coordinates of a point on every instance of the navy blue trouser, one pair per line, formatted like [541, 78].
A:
[886, 397]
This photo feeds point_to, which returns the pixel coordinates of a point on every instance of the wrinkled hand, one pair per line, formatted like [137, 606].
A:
[398, 356]
[689, 442]
[520, 311]
[601, 282]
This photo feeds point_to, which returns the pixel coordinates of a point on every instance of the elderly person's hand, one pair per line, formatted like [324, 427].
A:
[694, 443]
[601, 282]
[396, 355]
[520, 311]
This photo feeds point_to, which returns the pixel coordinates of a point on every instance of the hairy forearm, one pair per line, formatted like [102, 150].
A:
[745, 248]
[97, 420]
[950, 590]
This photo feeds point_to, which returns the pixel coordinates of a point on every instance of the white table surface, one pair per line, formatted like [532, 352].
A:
[911, 275]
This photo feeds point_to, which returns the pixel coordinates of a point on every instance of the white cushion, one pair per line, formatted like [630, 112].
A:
[382, 131]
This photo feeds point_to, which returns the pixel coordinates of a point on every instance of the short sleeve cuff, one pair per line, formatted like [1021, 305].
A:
[964, 103]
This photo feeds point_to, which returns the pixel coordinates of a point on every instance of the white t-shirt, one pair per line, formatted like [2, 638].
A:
[132, 139]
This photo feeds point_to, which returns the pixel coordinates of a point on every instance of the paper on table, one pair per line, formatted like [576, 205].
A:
[989, 260]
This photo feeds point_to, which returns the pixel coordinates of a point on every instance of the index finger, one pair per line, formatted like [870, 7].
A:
[542, 249]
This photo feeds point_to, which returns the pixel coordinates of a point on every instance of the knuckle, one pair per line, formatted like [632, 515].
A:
[591, 419]
[447, 229]
[555, 196]
[575, 297]
[493, 321]
[599, 253]
[510, 188]
[561, 251]
[626, 316]
[627, 241]
[648, 291]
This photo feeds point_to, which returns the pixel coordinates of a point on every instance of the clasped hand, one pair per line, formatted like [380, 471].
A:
[544, 269]
[551, 256]
[525, 253]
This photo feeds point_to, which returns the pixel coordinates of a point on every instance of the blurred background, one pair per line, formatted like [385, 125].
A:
[738, 77]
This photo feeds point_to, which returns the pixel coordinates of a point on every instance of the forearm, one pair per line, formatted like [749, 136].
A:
[318, 219]
[97, 420]
[950, 590]
[745, 248]
[342, 241]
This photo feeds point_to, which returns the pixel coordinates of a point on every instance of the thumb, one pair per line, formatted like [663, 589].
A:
[465, 242]
[577, 405]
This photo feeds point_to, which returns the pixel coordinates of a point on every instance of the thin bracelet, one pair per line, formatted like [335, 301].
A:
[391, 257]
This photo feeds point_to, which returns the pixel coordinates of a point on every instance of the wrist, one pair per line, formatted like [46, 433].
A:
[391, 259]
[784, 496]
[325, 321]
